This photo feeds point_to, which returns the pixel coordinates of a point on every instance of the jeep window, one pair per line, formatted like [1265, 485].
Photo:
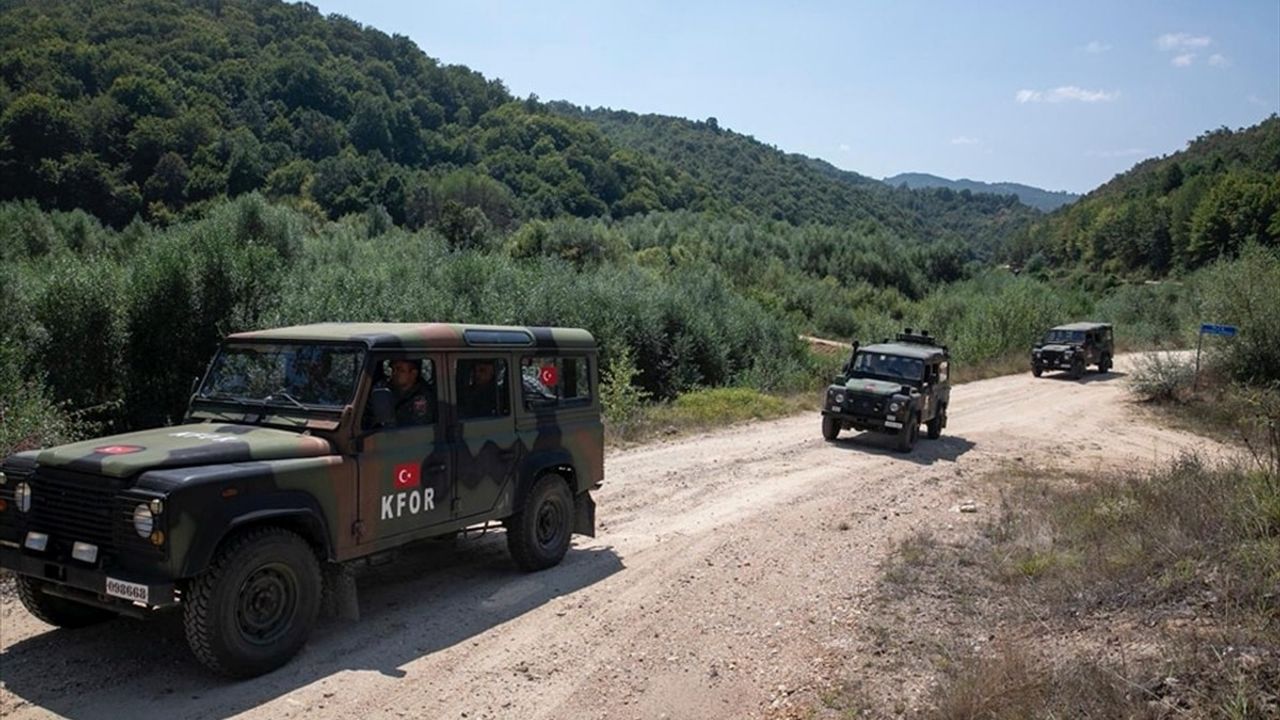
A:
[550, 381]
[482, 388]
[1064, 336]
[888, 367]
[412, 381]
[284, 374]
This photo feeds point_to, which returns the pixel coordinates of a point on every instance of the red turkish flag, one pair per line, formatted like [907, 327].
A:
[548, 375]
[407, 476]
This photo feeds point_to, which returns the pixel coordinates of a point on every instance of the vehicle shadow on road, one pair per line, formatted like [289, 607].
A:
[441, 597]
[947, 448]
[1089, 377]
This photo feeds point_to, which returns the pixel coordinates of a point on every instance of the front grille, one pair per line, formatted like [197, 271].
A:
[866, 404]
[71, 506]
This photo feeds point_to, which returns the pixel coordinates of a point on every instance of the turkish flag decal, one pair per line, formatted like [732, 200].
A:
[548, 375]
[408, 475]
[118, 449]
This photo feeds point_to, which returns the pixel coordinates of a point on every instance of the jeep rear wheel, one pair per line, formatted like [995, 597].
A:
[57, 611]
[253, 608]
[538, 534]
[938, 422]
[907, 435]
[830, 428]
[1104, 365]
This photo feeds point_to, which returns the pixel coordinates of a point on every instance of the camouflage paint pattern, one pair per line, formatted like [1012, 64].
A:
[350, 491]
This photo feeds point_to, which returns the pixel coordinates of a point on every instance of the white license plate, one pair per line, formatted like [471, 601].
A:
[128, 590]
[892, 424]
[835, 408]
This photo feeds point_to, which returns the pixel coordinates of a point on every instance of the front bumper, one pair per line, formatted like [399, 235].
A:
[1054, 362]
[858, 421]
[94, 585]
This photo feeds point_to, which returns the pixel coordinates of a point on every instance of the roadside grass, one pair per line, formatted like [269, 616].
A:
[703, 410]
[1143, 595]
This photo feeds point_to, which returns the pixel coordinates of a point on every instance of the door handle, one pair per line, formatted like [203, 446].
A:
[435, 468]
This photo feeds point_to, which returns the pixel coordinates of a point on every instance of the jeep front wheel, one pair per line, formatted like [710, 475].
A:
[1035, 370]
[253, 608]
[57, 611]
[830, 428]
[538, 533]
[1077, 368]
[907, 435]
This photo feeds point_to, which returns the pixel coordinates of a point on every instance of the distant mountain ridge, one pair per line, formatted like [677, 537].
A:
[1039, 198]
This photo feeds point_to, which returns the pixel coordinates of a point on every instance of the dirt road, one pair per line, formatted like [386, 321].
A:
[727, 575]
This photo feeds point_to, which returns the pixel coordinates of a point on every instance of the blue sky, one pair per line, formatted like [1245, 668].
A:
[1058, 95]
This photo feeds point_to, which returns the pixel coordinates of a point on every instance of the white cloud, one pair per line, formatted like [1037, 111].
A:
[1255, 100]
[1218, 60]
[1182, 41]
[1064, 94]
[1096, 48]
[844, 147]
[1184, 60]
[965, 140]
[1126, 152]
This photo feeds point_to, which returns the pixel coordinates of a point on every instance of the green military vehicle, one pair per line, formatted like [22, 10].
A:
[1073, 348]
[891, 387]
[306, 452]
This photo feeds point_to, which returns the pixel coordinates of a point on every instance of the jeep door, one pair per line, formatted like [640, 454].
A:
[483, 441]
[406, 486]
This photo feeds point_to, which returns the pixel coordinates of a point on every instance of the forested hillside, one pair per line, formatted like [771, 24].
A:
[799, 189]
[160, 107]
[1170, 214]
[1039, 198]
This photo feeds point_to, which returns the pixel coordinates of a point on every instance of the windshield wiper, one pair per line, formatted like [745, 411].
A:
[283, 395]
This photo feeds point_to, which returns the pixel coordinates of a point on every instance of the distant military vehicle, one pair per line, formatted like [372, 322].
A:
[305, 452]
[1074, 347]
[891, 387]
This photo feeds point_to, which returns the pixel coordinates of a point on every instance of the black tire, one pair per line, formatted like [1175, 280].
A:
[539, 531]
[909, 432]
[938, 422]
[57, 611]
[1036, 370]
[830, 428]
[253, 608]
[1077, 368]
[1105, 365]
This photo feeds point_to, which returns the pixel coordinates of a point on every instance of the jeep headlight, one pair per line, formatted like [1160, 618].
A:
[839, 398]
[143, 520]
[22, 497]
[893, 407]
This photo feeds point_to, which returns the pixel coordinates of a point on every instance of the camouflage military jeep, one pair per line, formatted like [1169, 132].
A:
[299, 460]
[891, 387]
[1074, 347]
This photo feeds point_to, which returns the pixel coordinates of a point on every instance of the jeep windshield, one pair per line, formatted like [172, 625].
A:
[291, 375]
[888, 367]
[1064, 337]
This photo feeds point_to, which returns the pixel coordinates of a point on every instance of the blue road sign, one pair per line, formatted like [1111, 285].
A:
[1224, 330]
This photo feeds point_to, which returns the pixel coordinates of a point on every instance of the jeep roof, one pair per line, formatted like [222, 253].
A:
[1082, 326]
[405, 336]
[911, 350]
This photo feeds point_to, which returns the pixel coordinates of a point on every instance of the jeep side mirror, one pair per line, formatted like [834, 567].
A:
[384, 413]
[839, 380]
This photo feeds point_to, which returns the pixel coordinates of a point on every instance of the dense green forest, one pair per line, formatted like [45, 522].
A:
[174, 171]
[1170, 214]
[799, 189]
[158, 108]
